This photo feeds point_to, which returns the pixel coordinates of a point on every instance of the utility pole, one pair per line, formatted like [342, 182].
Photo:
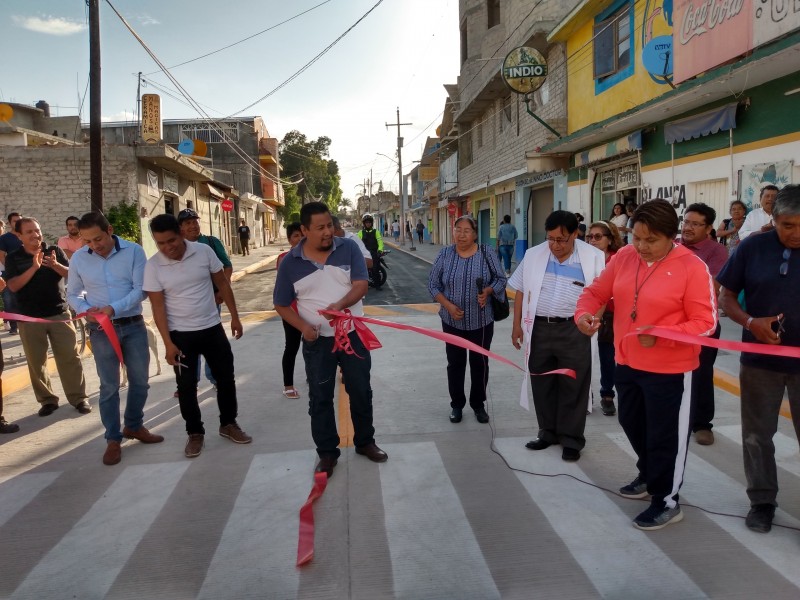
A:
[400, 177]
[95, 132]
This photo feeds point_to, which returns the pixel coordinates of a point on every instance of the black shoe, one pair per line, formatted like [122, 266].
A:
[455, 415]
[47, 409]
[6, 427]
[83, 407]
[570, 454]
[326, 464]
[760, 517]
[481, 415]
[607, 406]
[537, 444]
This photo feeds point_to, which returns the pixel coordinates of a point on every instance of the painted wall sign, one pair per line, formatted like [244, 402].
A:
[151, 118]
[710, 32]
[774, 18]
[524, 70]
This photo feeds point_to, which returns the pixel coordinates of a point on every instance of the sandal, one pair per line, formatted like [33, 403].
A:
[291, 393]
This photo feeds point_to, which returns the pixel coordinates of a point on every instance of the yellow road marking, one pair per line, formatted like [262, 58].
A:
[380, 311]
[345, 422]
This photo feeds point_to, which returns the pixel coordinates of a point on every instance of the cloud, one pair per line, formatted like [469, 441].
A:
[49, 25]
[146, 20]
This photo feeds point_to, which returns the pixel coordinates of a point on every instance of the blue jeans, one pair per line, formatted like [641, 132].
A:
[136, 352]
[10, 306]
[321, 364]
[506, 251]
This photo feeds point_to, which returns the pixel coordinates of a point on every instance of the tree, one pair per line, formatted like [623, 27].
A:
[308, 160]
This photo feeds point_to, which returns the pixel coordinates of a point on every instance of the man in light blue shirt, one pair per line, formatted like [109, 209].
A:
[506, 238]
[106, 276]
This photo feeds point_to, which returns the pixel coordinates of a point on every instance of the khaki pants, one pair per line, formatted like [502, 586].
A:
[62, 339]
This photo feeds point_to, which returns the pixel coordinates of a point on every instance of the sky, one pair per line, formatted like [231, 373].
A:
[400, 55]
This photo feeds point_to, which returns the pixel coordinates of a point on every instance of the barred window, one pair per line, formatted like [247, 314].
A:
[212, 133]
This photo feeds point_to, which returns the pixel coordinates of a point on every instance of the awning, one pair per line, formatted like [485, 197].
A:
[629, 143]
[215, 192]
[711, 121]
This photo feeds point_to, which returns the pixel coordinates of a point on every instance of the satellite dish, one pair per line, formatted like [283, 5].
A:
[657, 56]
[186, 147]
[6, 112]
[200, 148]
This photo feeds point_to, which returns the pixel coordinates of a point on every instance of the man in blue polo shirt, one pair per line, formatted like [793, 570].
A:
[328, 272]
[105, 276]
[767, 268]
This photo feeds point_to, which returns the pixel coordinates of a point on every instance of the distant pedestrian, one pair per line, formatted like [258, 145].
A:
[619, 217]
[464, 279]
[178, 282]
[328, 272]
[698, 223]
[420, 230]
[9, 242]
[766, 268]
[549, 281]
[396, 230]
[73, 241]
[244, 237]
[36, 274]
[653, 283]
[106, 277]
[373, 241]
[506, 239]
[291, 336]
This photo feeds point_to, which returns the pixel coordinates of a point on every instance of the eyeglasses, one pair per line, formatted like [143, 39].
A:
[694, 224]
[595, 236]
[784, 268]
[557, 240]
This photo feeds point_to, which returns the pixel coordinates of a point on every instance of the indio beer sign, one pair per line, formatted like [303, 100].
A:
[524, 69]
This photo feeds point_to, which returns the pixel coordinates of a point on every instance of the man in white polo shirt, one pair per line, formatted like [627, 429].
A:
[177, 282]
[328, 272]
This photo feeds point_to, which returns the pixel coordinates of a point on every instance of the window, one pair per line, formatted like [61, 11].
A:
[463, 42]
[465, 148]
[612, 43]
[212, 134]
[493, 11]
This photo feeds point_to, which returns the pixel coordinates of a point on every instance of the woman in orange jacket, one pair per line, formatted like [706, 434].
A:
[654, 283]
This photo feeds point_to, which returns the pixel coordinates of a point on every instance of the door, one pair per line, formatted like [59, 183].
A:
[540, 205]
[713, 192]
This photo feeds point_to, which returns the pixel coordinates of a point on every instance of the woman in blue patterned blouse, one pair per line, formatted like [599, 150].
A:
[463, 278]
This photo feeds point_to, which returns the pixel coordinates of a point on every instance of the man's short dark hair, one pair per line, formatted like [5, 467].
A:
[164, 223]
[94, 219]
[709, 214]
[311, 209]
[11, 215]
[659, 216]
[768, 188]
[22, 220]
[291, 228]
[507, 219]
[561, 218]
[70, 218]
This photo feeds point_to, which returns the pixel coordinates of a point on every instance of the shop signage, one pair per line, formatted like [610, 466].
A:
[608, 181]
[539, 177]
[451, 208]
[524, 70]
[151, 118]
[628, 177]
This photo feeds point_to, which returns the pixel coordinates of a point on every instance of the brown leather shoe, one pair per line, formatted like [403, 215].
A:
[235, 434]
[326, 465]
[142, 435]
[372, 452]
[113, 453]
[194, 445]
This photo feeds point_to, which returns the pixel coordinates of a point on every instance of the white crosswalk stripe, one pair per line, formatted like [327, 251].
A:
[20, 490]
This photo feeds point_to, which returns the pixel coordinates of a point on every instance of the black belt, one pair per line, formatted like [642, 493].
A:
[126, 320]
[552, 319]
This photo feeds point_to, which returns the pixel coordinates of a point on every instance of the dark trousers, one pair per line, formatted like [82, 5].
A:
[654, 413]
[321, 364]
[702, 412]
[607, 368]
[213, 345]
[762, 395]
[245, 244]
[561, 401]
[478, 366]
[292, 338]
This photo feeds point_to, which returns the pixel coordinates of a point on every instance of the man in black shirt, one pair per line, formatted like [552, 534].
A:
[373, 241]
[244, 238]
[36, 274]
[8, 243]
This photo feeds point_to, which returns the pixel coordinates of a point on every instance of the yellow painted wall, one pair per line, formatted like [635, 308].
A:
[583, 106]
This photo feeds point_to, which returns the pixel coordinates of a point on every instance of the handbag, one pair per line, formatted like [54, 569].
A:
[500, 308]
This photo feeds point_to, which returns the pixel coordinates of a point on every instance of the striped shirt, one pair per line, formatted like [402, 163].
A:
[561, 287]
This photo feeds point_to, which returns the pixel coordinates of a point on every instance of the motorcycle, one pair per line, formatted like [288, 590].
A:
[381, 271]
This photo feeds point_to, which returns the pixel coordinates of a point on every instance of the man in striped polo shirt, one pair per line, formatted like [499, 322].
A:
[549, 281]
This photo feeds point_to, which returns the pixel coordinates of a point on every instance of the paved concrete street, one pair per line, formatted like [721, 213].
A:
[459, 510]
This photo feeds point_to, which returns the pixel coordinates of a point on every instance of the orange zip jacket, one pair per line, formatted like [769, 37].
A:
[678, 294]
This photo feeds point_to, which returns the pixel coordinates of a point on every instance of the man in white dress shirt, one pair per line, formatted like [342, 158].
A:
[760, 219]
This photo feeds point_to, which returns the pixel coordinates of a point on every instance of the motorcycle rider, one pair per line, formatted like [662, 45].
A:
[374, 242]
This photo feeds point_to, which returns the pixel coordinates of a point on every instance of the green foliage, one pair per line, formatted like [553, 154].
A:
[124, 218]
[301, 157]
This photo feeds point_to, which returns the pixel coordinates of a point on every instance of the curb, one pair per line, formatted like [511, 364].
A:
[237, 275]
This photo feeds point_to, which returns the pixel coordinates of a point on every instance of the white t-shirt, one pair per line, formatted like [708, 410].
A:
[187, 287]
[352, 236]
[754, 222]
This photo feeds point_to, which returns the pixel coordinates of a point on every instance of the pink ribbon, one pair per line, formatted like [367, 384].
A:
[102, 318]
[344, 317]
[696, 340]
[305, 539]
